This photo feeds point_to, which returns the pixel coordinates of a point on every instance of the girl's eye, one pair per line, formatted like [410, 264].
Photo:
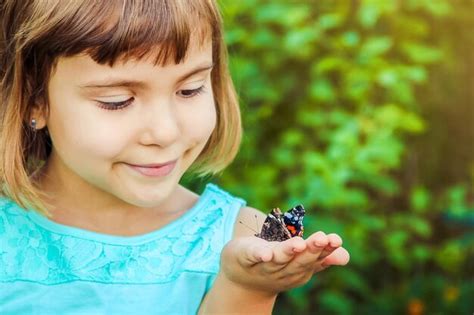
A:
[123, 104]
[191, 93]
[115, 105]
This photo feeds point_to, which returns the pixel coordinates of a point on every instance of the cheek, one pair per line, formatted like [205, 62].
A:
[200, 122]
[81, 134]
[102, 140]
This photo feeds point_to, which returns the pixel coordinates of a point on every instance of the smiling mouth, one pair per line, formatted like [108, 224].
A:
[154, 170]
[153, 165]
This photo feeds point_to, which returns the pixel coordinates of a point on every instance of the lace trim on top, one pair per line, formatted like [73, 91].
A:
[37, 249]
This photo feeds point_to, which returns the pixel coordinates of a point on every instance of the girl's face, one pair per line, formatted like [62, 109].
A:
[105, 122]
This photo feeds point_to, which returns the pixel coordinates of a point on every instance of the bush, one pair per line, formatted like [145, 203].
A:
[343, 105]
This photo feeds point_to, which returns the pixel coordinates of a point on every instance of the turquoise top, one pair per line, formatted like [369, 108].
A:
[50, 268]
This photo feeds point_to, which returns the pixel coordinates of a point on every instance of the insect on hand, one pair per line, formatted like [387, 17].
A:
[280, 226]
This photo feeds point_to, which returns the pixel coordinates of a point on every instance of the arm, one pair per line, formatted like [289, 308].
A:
[253, 271]
[225, 296]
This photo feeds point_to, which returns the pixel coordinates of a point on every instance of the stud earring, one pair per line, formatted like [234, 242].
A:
[33, 124]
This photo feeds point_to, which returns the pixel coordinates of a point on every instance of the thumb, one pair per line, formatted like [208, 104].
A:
[248, 251]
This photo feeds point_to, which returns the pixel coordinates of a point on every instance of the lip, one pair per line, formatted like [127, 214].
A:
[155, 169]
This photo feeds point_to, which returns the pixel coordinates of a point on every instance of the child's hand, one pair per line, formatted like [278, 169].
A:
[272, 267]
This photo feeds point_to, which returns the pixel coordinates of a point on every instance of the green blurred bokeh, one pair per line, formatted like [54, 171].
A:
[363, 111]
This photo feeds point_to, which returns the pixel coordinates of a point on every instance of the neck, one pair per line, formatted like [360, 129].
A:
[79, 204]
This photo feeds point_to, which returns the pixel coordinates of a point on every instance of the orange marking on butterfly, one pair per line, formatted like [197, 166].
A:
[292, 229]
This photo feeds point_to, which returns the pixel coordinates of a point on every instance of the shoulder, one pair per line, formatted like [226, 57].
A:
[249, 222]
[4, 202]
[240, 219]
[10, 208]
[12, 216]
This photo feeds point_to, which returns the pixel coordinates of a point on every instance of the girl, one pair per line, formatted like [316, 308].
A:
[104, 106]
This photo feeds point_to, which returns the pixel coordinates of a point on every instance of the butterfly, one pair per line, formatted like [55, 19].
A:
[280, 226]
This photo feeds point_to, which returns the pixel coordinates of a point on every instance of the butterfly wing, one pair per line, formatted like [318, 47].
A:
[274, 228]
[293, 220]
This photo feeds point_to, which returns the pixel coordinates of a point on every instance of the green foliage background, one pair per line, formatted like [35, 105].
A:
[363, 111]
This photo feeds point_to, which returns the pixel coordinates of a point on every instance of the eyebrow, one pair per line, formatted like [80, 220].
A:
[108, 83]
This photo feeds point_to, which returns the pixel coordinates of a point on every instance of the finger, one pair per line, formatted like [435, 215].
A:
[334, 241]
[339, 257]
[284, 251]
[317, 242]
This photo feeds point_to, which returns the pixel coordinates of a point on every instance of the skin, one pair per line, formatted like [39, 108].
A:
[91, 149]
[255, 271]
[91, 144]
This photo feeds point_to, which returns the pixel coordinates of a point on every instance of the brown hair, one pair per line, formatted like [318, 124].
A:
[35, 33]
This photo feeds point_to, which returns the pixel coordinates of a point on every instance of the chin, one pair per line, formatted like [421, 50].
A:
[149, 199]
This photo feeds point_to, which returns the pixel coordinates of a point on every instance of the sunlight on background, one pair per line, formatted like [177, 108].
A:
[363, 111]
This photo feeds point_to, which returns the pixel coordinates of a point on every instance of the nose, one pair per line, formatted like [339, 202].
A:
[160, 124]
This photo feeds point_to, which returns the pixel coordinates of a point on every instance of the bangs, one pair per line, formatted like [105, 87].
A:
[35, 33]
[111, 30]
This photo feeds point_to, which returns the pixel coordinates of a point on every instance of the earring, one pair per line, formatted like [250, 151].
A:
[33, 124]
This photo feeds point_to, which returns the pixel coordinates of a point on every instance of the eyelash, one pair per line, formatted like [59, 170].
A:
[121, 105]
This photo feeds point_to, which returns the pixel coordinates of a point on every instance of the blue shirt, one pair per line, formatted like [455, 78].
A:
[50, 268]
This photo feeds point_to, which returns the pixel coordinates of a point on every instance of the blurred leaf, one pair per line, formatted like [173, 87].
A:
[282, 14]
[327, 64]
[457, 197]
[421, 54]
[421, 253]
[420, 226]
[329, 21]
[437, 8]
[388, 77]
[415, 73]
[375, 46]
[360, 110]
[450, 256]
[263, 38]
[420, 199]
[350, 39]
[368, 15]
[334, 303]
[321, 90]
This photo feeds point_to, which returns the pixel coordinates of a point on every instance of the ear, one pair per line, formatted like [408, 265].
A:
[38, 113]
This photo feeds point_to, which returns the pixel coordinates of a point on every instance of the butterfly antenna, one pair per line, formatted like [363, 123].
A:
[248, 227]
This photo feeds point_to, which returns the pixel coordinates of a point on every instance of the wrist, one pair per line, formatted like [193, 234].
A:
[227, 296]
[250, 290]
